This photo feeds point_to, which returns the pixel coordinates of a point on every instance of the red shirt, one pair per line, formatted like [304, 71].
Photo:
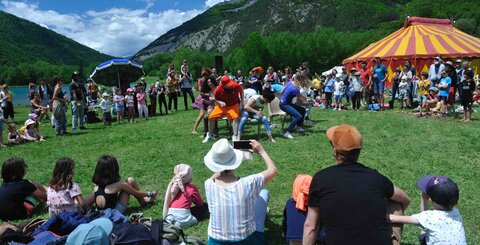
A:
[365, 75]
[184, 200]
[229, 97]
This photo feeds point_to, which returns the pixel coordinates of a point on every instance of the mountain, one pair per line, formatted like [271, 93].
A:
[226, 25]
[22, 41]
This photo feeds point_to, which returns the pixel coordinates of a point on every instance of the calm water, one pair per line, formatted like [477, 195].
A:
[20, 94]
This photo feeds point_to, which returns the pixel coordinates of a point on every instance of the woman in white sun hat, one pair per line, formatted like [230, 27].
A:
[238, 206]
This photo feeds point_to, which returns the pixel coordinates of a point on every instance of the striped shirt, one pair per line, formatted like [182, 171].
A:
[232, 207]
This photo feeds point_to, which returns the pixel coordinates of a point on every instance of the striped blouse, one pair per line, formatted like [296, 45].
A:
[231, 207]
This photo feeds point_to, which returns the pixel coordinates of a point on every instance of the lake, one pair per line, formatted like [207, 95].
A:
[20, 94]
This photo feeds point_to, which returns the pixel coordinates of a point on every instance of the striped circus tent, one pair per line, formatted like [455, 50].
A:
[420, 41]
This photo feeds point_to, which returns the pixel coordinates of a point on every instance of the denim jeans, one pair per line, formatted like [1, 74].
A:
[260, 210]
[78, 114]
[297, 112]
[246, 115]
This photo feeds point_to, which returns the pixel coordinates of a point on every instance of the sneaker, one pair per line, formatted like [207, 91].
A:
[273, 125]
[300, 129]
[207, 138]
[339, 109]
[82, 128]
[287, 135]
[335, 108]
[74, 130]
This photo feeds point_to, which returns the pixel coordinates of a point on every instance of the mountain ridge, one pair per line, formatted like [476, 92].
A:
[22, 41]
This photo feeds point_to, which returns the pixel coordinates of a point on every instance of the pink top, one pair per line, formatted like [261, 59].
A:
[141, 99]
[184, 200]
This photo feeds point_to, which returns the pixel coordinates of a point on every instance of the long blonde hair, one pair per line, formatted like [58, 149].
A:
[301, 79]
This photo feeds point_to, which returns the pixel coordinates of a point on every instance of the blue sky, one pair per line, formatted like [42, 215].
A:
[114, 27]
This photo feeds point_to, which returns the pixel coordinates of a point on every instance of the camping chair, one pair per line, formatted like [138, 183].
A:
[274, 110]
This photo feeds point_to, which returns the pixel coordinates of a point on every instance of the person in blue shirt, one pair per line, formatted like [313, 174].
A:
[292, 90]
[380, 75]
[444, 87]
[329, 90]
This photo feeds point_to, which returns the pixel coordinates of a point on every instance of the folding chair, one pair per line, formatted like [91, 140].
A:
[274, 110]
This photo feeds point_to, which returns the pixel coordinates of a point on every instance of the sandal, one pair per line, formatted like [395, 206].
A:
[150, 199]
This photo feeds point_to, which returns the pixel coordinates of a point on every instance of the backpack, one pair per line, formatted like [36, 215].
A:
[131, 234]
[165, 233]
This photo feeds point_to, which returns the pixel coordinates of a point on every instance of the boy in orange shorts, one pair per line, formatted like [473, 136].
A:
[229, 96]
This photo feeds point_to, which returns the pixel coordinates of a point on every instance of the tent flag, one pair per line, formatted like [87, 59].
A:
[420, 41]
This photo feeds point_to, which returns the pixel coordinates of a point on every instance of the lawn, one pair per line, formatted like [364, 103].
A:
[397, 144]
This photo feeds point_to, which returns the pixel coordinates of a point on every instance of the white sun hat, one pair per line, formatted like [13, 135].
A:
[223, 157]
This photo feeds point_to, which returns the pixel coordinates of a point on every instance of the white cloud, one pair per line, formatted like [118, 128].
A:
[115, 31]
[210, 3]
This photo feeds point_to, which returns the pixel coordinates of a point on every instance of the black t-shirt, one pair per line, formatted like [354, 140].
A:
[466, 89]
[351, 202]
[13, 195]
[77, 88]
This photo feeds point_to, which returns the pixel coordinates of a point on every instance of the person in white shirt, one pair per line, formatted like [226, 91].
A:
[338, 92]
[106, 105]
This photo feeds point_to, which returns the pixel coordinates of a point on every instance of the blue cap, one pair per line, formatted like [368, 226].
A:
[441, 189]
[96, 232]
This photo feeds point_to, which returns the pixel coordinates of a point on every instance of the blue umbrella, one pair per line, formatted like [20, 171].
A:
[117, 72]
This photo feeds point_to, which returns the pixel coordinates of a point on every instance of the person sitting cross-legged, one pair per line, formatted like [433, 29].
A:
[253, 109]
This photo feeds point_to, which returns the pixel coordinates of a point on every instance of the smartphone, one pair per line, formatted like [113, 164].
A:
[242, 145]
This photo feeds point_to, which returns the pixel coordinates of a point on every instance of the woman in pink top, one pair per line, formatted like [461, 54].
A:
[180, 195]
[142, 104]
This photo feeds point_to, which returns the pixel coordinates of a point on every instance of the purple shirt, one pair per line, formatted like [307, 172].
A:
[289, 93]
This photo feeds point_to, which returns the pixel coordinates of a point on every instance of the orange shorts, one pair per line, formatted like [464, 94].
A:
[231, 112]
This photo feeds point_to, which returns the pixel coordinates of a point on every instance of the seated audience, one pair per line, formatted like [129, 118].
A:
[180, 195]
[238, 206]
[350, 199]
[443, 224]
[64, 195]
[31, 131]
[14, 137]
[111, 192]
[295, 211]
[20, 197]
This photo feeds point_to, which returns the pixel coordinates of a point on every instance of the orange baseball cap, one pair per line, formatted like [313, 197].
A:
[345, 138]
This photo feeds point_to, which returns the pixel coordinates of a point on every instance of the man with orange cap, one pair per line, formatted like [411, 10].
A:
[349, 199]
[229, 96]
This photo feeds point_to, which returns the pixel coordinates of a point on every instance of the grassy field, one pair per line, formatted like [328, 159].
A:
[397, 144]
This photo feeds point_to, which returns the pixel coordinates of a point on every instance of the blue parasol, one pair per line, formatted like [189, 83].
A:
[117, 71]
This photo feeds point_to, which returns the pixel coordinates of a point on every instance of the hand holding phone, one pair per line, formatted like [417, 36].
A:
[242, 145]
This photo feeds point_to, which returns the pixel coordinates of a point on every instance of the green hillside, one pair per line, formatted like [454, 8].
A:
[22, 41]
[283, 33]
[29, 52]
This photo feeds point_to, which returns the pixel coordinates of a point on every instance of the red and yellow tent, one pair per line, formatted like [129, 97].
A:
[420, 41]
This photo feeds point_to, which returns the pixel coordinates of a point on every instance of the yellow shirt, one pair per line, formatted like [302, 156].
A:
[423, 86]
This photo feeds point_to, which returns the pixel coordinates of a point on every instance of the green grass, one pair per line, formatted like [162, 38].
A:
[398, 145]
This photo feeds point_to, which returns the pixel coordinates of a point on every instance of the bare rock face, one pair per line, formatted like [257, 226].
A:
[226, 25]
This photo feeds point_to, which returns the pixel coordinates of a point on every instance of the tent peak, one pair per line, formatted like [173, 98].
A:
[426, 21]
